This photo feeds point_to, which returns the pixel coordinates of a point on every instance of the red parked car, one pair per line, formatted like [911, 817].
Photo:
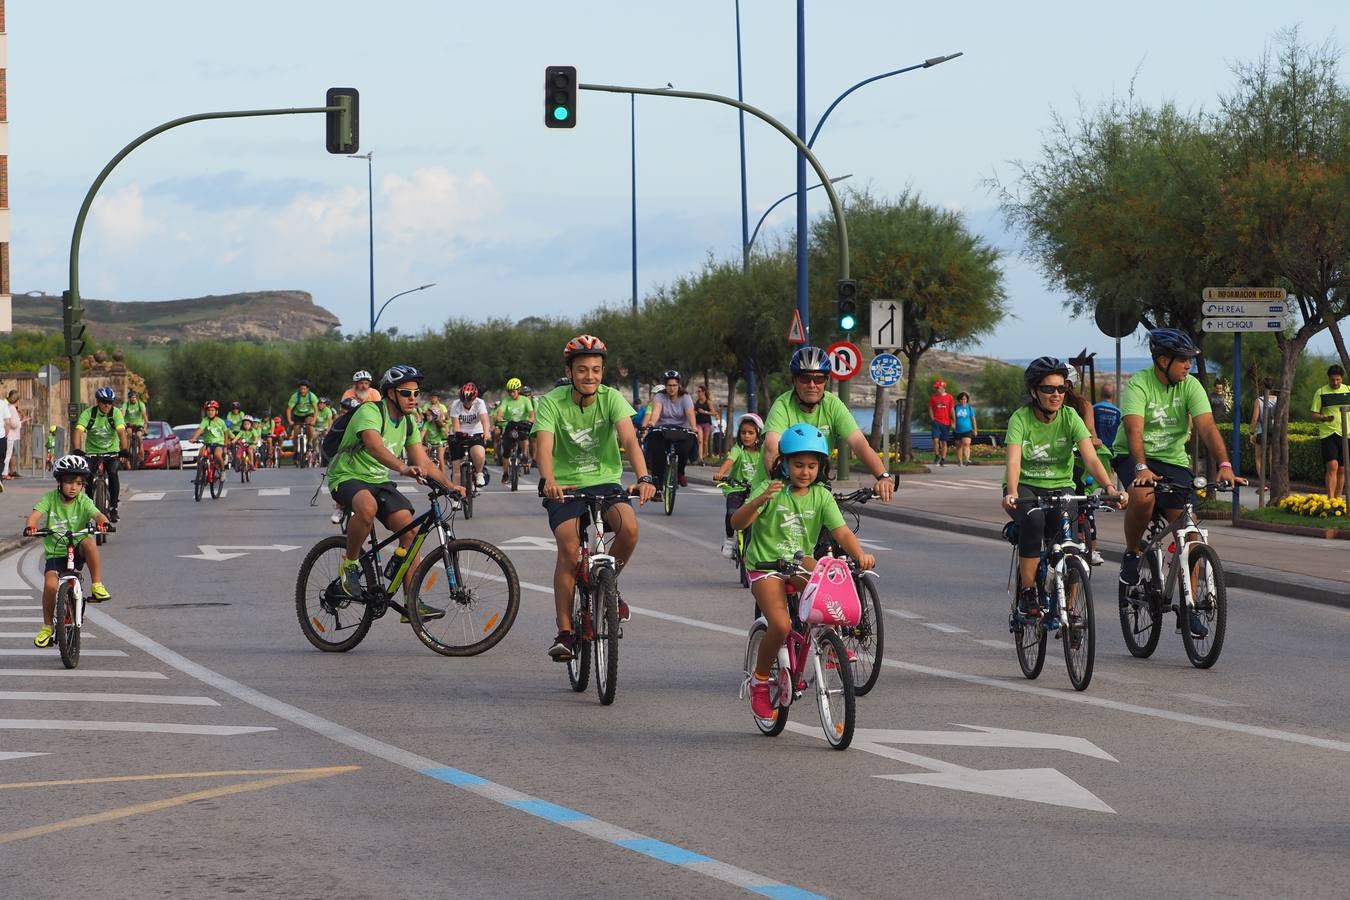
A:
[160, 447]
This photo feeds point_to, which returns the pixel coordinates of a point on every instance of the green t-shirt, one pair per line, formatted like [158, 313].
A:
[831, 416]
[353, 460]
[1166, 411]
[1327, 429]
[1047, 447]
[746, 465]
[63, 516]
[585, 441]
[250, 436]
[301, 406]
[323, 418]
[789, 523]
[517, 410]
[435, 424]
[214, 430]
[134, 413]
[233, 420]
[101, 431]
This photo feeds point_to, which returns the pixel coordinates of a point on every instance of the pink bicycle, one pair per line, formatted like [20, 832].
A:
[813, 656]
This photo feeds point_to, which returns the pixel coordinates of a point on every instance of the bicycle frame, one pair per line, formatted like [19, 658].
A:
[1055, 559]
[433, 519]
[1182, 531]
[592, 555]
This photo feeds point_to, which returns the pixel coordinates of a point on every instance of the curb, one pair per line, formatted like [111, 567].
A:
[1236, 575]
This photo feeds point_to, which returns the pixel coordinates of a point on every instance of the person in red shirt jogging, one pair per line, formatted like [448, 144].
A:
[941, 407]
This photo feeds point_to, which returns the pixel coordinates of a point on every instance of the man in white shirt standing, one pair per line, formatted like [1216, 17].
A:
[470, 415]
[13, 430]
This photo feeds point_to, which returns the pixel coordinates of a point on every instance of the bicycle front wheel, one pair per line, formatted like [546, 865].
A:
[217, 482]
[834, 689]
[668, 492]
[330, 619]
[1211, 605]
[866, 639]
[474, 588]
[101, 493]
[1080, 638]
[67, 632]
[199, 483]
[515, 474]
[606, 597]
[773, 726]
[579, 666]
[1030, 639]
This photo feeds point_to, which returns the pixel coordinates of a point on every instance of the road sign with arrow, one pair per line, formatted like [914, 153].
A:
[887, 325]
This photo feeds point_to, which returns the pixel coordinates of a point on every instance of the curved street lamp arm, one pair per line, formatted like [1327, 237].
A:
[824, 177]
[395, 297]
[926, 64]
[750, 243]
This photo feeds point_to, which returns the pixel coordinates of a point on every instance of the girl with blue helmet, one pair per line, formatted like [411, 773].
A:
[788, 515]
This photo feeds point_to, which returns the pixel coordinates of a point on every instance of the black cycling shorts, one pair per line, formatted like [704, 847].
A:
[461, 442]
[57, 564]
[387, 497]
[560, 511]
[1180, 474]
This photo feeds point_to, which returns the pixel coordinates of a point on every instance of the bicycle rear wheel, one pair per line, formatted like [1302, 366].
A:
[67, 632]
[834, 690]
[606, 636]
[515, 473]
[330, 619]
[1030, 639]
[1211, 604]
[1080, 638]
[774, 726]
[866, 639]
[579, 666]
[1140, 617]
[475, 585]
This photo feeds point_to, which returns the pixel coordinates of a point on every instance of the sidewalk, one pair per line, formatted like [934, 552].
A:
[15, 505]
[966, 501]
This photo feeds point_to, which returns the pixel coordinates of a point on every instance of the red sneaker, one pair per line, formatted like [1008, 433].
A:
[760, 702]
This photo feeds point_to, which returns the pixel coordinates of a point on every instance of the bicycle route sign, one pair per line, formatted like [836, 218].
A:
[845, 359]
[886, 370]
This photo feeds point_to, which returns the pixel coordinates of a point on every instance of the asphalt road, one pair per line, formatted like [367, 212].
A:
[215, 753]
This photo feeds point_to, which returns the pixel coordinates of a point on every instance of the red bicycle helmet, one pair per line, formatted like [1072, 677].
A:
[210, 404]
[468, 393]
[584, 345]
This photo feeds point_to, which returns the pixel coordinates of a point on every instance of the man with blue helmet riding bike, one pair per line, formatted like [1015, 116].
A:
[101, 435]
[810, 403]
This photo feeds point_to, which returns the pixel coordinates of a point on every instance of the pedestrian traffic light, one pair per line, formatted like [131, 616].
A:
[848, 305]
[560, 96]
[341, 119]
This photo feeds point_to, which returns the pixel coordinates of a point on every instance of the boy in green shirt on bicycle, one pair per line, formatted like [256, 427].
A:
[68, 508]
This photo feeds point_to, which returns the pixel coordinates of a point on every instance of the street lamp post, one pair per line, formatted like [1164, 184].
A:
[370, 212]
[632, 143]
[376, 320]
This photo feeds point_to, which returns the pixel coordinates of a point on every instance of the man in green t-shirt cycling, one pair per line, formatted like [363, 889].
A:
[808, 402]
[101, 435]
[578, 429]
[323, 415]
[515, 417]
[377, 435]
[1159, 406]
[302, 405]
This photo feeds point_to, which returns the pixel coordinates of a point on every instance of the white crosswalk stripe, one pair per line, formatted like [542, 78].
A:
[146, 496]
[274, 492]
[92, 697]
[83, 673]
[51, 652]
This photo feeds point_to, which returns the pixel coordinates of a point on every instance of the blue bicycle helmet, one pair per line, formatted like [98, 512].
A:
[105, 395]
[803, 438]
[810, 359]
[1172, 342]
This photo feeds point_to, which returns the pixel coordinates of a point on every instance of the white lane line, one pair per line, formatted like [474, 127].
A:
[901, 613]
[28, 634]
[997, 645]
[83, 673]
[139, 727]
[1123, 679]
[147, 495]
[84, 697]
[1207, 700]
[24, 607]
[51, 651]
[274, 492]
[945, 629]
[37, 619]
[498, 793]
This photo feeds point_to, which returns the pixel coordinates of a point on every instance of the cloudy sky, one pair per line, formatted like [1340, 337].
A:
[507, 217]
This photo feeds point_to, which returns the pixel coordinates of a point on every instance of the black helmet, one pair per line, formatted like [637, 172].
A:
[671, 373]
[1171, 342]
[810, 359]
[1042, 366]
[399, 373]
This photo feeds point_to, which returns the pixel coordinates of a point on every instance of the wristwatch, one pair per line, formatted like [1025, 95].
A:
[1140, 467]
[646, 479]
[884, 476]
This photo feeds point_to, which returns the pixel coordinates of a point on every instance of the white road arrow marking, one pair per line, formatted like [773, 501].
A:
[982, 736]
[529, 542]
[215, 552]
[1042, 785]
[16, 754]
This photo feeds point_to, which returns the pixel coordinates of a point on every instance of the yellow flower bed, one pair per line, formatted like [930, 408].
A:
[1317, 506]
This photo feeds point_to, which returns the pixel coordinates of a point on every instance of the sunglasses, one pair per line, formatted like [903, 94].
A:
[1053, 388]
[812, 379]
[409, 392]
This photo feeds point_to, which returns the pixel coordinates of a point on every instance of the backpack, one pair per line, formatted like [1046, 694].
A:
[332, 441]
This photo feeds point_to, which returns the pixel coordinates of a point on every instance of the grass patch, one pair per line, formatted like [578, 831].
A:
[1282, 517]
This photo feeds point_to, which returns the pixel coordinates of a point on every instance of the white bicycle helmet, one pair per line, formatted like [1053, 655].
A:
[70, 466]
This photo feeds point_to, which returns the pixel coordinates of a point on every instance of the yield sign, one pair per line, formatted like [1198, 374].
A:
[215, 553]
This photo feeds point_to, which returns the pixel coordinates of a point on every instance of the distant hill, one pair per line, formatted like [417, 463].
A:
[258, 315]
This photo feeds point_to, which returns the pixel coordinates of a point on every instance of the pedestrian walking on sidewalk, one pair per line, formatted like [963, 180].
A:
[966, 428]
[14, 420]
[941, 406]
[1263, 413]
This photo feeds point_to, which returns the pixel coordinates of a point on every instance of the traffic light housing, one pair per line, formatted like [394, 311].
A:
[560, 96]
[343, 134]
[74, 329]
[848, 305]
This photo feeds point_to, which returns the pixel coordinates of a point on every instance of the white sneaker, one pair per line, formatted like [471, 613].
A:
[336, 517]
[728, 548]
[1095, 558]
[479, 480]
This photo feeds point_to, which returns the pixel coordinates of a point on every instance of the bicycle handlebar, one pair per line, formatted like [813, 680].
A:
[861, 495]
[783, 566]
[84, 532]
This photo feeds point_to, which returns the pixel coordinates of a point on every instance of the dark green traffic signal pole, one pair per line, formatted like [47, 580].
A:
[71, 301]
[825, 181]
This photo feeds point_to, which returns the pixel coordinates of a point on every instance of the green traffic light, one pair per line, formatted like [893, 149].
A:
[560, 113]
[847, 323]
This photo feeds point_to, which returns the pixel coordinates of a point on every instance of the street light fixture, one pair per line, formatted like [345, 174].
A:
[376, 320]
[368, 156]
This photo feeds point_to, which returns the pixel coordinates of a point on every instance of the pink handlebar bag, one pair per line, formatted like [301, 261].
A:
[830, 597]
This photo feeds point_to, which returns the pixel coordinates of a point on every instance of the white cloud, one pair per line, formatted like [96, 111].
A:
[433, 204]
[120, 218]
